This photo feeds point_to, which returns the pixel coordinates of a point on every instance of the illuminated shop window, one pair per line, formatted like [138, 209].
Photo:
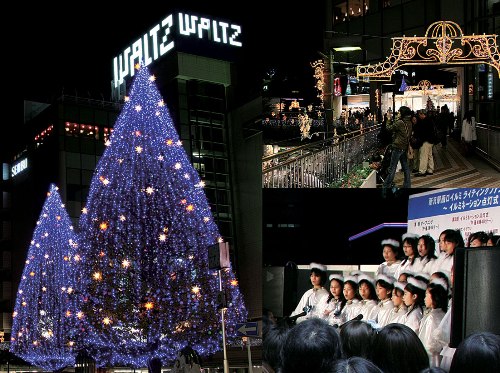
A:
[106, 133]
[81, 130]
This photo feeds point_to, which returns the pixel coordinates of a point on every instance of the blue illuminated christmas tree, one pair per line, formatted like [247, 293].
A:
[43, 331]
[145, 233]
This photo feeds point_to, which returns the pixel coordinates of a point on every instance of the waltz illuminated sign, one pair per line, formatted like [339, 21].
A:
[159, 40]
[19, 167]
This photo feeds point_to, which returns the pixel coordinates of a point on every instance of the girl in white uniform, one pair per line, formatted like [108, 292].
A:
[451, 239]
[331, 307]
[390, 252]
[398, 313]
[313, 296]
[368, 295]
[414, 299]
[436, 301]
[412, 260]
[384, 288]
[351, 308]
[427, 252]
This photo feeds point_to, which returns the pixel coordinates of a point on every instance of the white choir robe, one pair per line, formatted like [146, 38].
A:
[367, 305]
[444, 263]
[427, 334]
[443, 334]
[387, 269]
[413, 317]
[383, 313]
[406, 265]
[397, 314]
[350, 310]
[428, 265]
[335, 310]
[310, 298]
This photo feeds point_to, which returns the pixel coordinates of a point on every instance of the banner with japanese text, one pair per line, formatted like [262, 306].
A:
[470, 210]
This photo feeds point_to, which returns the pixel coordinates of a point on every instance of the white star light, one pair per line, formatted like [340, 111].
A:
[138, 108]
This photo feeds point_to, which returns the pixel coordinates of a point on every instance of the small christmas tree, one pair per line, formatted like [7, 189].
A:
[145, 233]
[43, 329]
[430, 105]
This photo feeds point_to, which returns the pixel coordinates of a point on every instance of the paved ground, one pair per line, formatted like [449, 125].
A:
[455, 170]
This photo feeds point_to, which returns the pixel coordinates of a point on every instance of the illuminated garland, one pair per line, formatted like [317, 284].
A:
[145, 233]
[443, 43]
[43, 330]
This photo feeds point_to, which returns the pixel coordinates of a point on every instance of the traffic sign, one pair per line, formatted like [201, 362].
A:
[247, 329]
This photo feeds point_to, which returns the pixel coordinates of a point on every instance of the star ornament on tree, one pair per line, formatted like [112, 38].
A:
[148, 192]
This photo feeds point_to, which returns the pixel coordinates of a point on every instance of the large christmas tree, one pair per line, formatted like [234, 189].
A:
[145, 233]
[43, 330]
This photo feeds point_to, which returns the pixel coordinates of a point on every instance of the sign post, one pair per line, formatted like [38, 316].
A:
[246, 330]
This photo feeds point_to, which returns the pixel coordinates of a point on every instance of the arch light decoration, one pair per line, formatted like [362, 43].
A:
[427, 88]
[443, 43]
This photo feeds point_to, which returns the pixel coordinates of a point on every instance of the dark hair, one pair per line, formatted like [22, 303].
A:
[480, 235]
[341, 296]
[272, 343]
[420, 293]
[357, 338]
[311, 346]
[397, 349]
[267, 321]
[405, 111]
[455, 236]
[479, 352]
[468, 115]
[495, 239]
[413, 241]
[439, 296]
[386, 285]
[373, 293]
[444, 276]
[430, 245]
[355, 287]
[321, 274]
[355, 364]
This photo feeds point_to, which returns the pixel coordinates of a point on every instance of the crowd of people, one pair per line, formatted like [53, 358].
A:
[397, 319]
[412, 137]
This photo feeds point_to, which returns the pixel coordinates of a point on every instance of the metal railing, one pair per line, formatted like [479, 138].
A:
[319, 164]
[488, 143]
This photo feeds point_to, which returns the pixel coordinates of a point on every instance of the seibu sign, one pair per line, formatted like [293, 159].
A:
[158, 41]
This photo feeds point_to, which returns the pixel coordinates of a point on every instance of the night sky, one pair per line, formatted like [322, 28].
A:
[70, 49]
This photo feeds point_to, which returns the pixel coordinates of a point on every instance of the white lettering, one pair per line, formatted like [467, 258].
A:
[136, 54]
[224, 26]
[237, 31]
[19, 167]
[164, 48]
[215, 33]
[190, 27]
[204, 25]
[158, 41]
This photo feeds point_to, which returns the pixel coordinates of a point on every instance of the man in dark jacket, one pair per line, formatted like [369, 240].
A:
[401, 130]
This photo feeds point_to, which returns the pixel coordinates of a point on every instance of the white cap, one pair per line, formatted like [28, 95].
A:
[365, 277]
[336, 276]
[356, 273]
[350, 278]
[440, 282]
[399, 285]
[409, 235]
[390, 241]
[407, 272]
[321, 267]
[417, 283]
[389, 280]
[423, 275]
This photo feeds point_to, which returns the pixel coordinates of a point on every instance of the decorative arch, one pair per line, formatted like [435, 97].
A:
[443, 43]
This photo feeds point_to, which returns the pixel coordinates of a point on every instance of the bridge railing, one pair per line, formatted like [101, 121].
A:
[318, 164]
